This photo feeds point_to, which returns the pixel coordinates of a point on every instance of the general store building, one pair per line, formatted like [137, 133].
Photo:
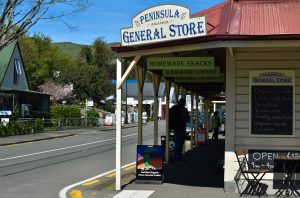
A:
[256, 45]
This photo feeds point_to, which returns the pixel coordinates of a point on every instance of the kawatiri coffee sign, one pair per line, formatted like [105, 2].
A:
[163, 23]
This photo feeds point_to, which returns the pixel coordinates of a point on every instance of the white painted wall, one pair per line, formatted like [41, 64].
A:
[237, 106]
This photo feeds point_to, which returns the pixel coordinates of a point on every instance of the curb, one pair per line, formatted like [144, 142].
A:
[101, 187]
[59, 136]
[125, 127]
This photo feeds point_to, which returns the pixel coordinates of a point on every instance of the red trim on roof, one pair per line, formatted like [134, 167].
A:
[242, 20]
[208, 38]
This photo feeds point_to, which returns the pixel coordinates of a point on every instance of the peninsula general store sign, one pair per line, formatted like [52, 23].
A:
[163, 23]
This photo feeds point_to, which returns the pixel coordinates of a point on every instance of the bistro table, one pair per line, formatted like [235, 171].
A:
[288, 164]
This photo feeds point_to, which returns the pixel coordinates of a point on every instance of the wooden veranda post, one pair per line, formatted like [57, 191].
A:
[168, 87]
[176, 93]
[118, 126]
[206, 114]
[120, 80]
[197, 120]
[140, 76]
[183, 93]
[156, 83]
[192, 119]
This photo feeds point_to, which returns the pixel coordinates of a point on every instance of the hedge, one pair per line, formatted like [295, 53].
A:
[41, 114]
[21, 128]
[92, 113]
[64, 111]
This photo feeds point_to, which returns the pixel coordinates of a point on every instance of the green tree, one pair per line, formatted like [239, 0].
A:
[92, 79]
[85, 55]
[103, 57]
[42, 61]
[102, 54]
[89, 82]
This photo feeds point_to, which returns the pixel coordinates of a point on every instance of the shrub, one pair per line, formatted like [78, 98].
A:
[21, 128]
[64, 111]
[92, 113]
[109, 107]
[3, 131]
[38, 126]
[41, 114]
[16, 114]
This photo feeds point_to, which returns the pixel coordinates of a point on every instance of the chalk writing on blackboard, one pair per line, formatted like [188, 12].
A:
[272, 110]
[264, 159]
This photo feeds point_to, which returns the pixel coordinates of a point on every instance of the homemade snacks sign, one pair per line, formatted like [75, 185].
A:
[187, 69]
[163, 23]
[272, 102]
[180, 63]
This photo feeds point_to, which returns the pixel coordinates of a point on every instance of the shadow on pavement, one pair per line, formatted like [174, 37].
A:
[202, 167]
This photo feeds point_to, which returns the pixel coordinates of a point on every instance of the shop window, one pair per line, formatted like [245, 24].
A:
[17, 71]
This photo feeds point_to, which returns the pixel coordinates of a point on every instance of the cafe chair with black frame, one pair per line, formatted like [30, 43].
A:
[251, 175]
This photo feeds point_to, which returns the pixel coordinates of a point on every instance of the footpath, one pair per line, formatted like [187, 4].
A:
[200, 175]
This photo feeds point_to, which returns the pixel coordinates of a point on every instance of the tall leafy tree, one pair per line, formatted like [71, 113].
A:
[102, 54]
[89, 82]
[42, 61]
[91, 76]
[85, 55]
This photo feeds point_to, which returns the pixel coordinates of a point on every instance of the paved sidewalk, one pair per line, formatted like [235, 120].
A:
[55, 134]
[200, 175]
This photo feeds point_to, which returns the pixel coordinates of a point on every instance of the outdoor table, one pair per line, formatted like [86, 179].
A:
[289, 166]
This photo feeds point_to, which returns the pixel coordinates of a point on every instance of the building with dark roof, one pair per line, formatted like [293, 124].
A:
[14, 89]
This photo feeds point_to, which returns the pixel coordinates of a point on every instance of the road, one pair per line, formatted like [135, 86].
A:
[41, 169]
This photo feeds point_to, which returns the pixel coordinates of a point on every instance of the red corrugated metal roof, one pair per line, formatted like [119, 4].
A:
[216, 18]
[254, 17]
[243, 20]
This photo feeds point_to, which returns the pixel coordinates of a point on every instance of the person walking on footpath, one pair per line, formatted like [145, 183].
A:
[216, 122]
[179, 116]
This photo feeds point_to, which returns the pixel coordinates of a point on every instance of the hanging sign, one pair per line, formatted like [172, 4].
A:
[206, 79]
[149, 166]
[191, 72]
[163, 23]
[180, 63]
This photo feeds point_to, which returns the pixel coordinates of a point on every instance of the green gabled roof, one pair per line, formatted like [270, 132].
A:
[5, 56]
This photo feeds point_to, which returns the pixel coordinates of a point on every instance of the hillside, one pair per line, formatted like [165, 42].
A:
[71, 49]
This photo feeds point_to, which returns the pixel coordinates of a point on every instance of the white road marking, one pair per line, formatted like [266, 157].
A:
[64, 148]
[134, 194]
[63, 192]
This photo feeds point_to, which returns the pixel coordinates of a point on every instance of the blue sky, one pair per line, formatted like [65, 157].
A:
[105, 18]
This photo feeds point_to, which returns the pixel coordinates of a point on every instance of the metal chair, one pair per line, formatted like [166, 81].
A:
[252, 176]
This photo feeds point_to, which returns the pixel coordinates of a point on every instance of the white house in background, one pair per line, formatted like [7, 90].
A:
[130, 91]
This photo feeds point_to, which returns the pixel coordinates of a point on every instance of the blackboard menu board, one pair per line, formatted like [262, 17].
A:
[272, 110]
